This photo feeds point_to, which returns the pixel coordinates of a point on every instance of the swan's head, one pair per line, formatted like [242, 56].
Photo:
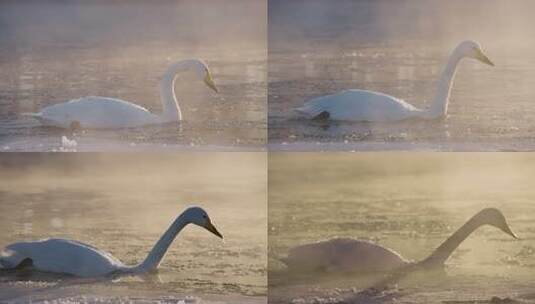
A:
[203, 72]
[472, 49]
[209, 81]
[198, 67]
[199, 217]
[494, 217]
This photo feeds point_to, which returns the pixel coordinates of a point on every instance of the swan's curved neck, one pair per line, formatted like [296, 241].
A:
[443, 252]
[157, 253]
[439, 107]
[171, 109]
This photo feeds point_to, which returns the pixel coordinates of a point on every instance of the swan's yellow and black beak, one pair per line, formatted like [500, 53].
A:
[209, 81]
[483, 58]
[508, 230]
[210, 227]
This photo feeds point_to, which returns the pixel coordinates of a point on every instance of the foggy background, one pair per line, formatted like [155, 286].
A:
[203, 23]
[365, 21]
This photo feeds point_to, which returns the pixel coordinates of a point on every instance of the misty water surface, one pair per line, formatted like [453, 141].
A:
[122, 204]
[409, 203]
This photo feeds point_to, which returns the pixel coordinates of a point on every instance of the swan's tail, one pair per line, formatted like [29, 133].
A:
[312, 110]
[301, 111]
[309, 110]
[284, 260]
[34, 115]
[37, 116]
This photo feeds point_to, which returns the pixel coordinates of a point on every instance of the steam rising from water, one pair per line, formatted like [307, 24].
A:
[208, 23]
[409, 202]
[495, 22]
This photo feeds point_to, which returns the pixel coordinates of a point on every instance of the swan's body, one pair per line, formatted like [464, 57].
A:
[63, 256]
[338, 255]
[361, 105]
[351, 255]
[82, 260]
[95, 112]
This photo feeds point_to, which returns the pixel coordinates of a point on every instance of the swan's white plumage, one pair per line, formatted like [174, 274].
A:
[362, 105]
[338, 255]
[62, 256]
[359, 105]
[95, 112]
[82, 260]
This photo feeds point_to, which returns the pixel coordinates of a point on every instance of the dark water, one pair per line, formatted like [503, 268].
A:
[400, 48]
[120, 50]
[122, 204]
[409, 203]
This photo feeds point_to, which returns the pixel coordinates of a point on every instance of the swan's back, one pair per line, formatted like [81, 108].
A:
[61, 256]
[360, 105]
[343, 255]
[98, 112]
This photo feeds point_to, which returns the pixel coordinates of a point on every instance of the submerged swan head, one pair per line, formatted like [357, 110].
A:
[199, 217]
[494, 217]
[472, 49]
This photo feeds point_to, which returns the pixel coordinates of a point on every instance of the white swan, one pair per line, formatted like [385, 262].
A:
[350, 255]
[95, 112]
[82, 260]
[362, 105]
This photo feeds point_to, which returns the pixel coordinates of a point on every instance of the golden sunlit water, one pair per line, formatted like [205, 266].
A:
[270, 179]
[409, 202]
[122, 204]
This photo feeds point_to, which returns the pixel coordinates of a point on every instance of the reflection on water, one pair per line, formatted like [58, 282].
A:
[123, 203]
[113, 51]
[491, 108]
[409, 203]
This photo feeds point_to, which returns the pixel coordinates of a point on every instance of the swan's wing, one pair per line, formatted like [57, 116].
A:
[319, 255]
[65, 256]
[359, 105]
[98, 112]
[89, 102]
[93, 248]
[365, 256]
[343, 254]
[308, 257]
